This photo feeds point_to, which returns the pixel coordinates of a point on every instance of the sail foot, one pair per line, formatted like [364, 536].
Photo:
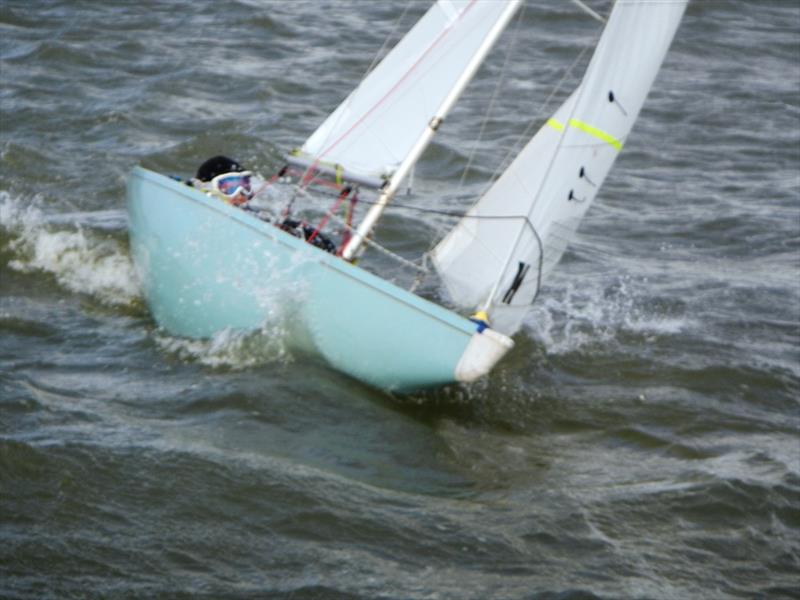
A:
[337, 172]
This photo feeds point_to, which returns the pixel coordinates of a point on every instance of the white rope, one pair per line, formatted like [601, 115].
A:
[383, 249]
[379, 54]
[368, 241]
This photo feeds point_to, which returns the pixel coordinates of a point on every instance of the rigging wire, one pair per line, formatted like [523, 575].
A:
[375, 60]
[536, 120]
[588, 10]
[370, 242]
[321, 194]
[495, 94]
[379, 53]
[447, 213]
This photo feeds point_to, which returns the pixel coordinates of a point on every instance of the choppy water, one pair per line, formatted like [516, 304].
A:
[640, 442]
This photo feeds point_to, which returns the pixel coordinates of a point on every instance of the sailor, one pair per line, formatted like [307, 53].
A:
[308, 233]
[226, 179]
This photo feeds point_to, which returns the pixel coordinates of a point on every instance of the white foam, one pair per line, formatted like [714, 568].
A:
[596, 313]
[81, 260]
[235, 350]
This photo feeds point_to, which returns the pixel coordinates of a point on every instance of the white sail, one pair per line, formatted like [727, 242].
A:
[379, 124]
[496, 257]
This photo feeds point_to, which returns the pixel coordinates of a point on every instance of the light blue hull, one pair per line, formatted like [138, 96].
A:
[206, 266]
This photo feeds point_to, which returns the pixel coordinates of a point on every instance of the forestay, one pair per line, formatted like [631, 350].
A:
[496, 257]
[378, 125]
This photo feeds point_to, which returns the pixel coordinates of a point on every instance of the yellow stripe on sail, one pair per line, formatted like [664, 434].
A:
[598, 133]
[586, 128]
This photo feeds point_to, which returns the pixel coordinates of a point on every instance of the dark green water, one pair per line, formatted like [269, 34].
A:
[640, 442]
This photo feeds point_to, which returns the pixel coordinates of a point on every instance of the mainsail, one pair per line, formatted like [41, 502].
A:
[496, 257]
[370, 135]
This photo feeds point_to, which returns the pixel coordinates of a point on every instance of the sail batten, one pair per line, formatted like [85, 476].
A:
[555, 178]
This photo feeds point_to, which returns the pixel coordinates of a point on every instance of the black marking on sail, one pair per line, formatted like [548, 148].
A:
[522, 270]
[582, 174]
[573, 198]
[613, 98]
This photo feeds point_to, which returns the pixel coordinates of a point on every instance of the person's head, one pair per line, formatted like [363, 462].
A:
[227, 178]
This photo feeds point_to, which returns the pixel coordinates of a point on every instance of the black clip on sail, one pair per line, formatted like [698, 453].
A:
[522, 270]
[612, 98]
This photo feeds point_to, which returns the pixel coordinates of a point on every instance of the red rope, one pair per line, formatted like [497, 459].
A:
[313, 181]
[345, 192]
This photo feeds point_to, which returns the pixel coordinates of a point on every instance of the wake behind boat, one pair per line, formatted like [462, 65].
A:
[207, 265]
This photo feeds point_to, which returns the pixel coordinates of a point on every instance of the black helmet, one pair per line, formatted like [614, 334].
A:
[217, 165]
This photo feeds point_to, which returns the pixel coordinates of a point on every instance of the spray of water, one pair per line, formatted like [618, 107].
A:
[80, 259]
[572, 317]
[91, 261]
[234, 350]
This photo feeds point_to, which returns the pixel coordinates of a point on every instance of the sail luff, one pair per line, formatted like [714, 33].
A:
[375, 212]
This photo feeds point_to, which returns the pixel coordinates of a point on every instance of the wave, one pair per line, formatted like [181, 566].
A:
[87, 253]
[230, 349]
[576, 316]
[81, 259]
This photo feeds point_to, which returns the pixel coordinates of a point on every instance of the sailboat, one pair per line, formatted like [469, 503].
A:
[206, 266]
